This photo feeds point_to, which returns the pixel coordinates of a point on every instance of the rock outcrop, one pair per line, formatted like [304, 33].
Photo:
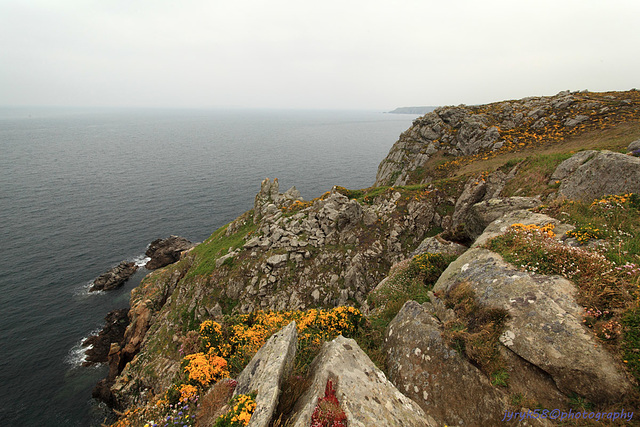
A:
[457, 131]
[634, 148]
[166, 251]
[594, 175]
[116, 323]
[545, 326]
[265, 373]
[115, 277]
[364, 393]
[438, 245]
[441, 381]
[103, 348]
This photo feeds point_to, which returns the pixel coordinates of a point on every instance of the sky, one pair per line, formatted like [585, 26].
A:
[298, 54]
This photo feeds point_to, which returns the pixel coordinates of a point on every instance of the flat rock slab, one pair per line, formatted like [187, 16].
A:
[524, 217]
[364, 393]
[266, 371]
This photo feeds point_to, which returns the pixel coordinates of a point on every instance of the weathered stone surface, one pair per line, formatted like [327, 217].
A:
[477, 189]
[276, 260]
[166, 251]
[545, 326]
[570, 165]
[115, 277]
[481, 214]
[603, 174]
[525, 217]
[634, 146]
[266, 371]
[437, 245]
[364, 393]
[442, 382]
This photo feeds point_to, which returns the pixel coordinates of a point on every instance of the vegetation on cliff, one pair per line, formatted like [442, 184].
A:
[341, 263]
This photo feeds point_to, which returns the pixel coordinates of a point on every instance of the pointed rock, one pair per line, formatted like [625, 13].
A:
[364, 393]
[266, 371]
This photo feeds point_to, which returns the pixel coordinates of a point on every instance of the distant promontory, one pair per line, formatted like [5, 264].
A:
[413, 110]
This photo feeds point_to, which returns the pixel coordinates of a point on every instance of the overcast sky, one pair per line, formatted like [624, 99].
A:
[323, 54]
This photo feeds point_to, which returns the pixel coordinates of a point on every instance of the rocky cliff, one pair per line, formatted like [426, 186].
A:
[489, 333]
[449, 137]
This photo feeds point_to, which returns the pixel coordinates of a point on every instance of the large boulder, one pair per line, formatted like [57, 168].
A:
[438, 245]
[481, 214]
[441, 381]
[602, 174]
[363, 391]
[166, 251]
[266, 372]
[115, 277]
[570, 165]
[634, 148]
[545, 326]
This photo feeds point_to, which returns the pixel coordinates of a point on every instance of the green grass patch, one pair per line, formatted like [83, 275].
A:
[533, 175]
[409, 280]
[218, 244]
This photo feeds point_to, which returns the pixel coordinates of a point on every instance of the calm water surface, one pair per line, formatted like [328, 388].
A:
[81, 190]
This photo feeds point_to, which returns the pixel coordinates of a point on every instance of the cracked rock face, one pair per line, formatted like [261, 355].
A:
[545, 326]
[266, 372]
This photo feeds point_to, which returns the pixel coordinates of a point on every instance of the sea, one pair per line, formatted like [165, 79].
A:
[82, 189]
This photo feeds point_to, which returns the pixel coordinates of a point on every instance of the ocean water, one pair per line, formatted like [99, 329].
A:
[82, 189]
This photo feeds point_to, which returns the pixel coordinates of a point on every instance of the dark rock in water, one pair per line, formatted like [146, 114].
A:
[115, 277]
[166, 251]
[112, 332]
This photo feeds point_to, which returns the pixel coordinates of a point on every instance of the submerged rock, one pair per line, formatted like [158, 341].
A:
[115, 277]
[116, 323]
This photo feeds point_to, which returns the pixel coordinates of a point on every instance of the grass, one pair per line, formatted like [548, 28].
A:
[218, 244]
[534, 174]
[476, 331]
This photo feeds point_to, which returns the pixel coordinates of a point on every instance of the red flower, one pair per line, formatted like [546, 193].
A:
[328, 412]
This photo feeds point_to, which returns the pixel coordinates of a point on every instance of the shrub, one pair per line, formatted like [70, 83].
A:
[239, 415]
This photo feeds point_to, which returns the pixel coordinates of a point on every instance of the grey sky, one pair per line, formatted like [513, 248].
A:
[323, 54]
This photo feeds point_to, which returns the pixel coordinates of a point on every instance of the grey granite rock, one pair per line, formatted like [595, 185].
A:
[266, 372]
